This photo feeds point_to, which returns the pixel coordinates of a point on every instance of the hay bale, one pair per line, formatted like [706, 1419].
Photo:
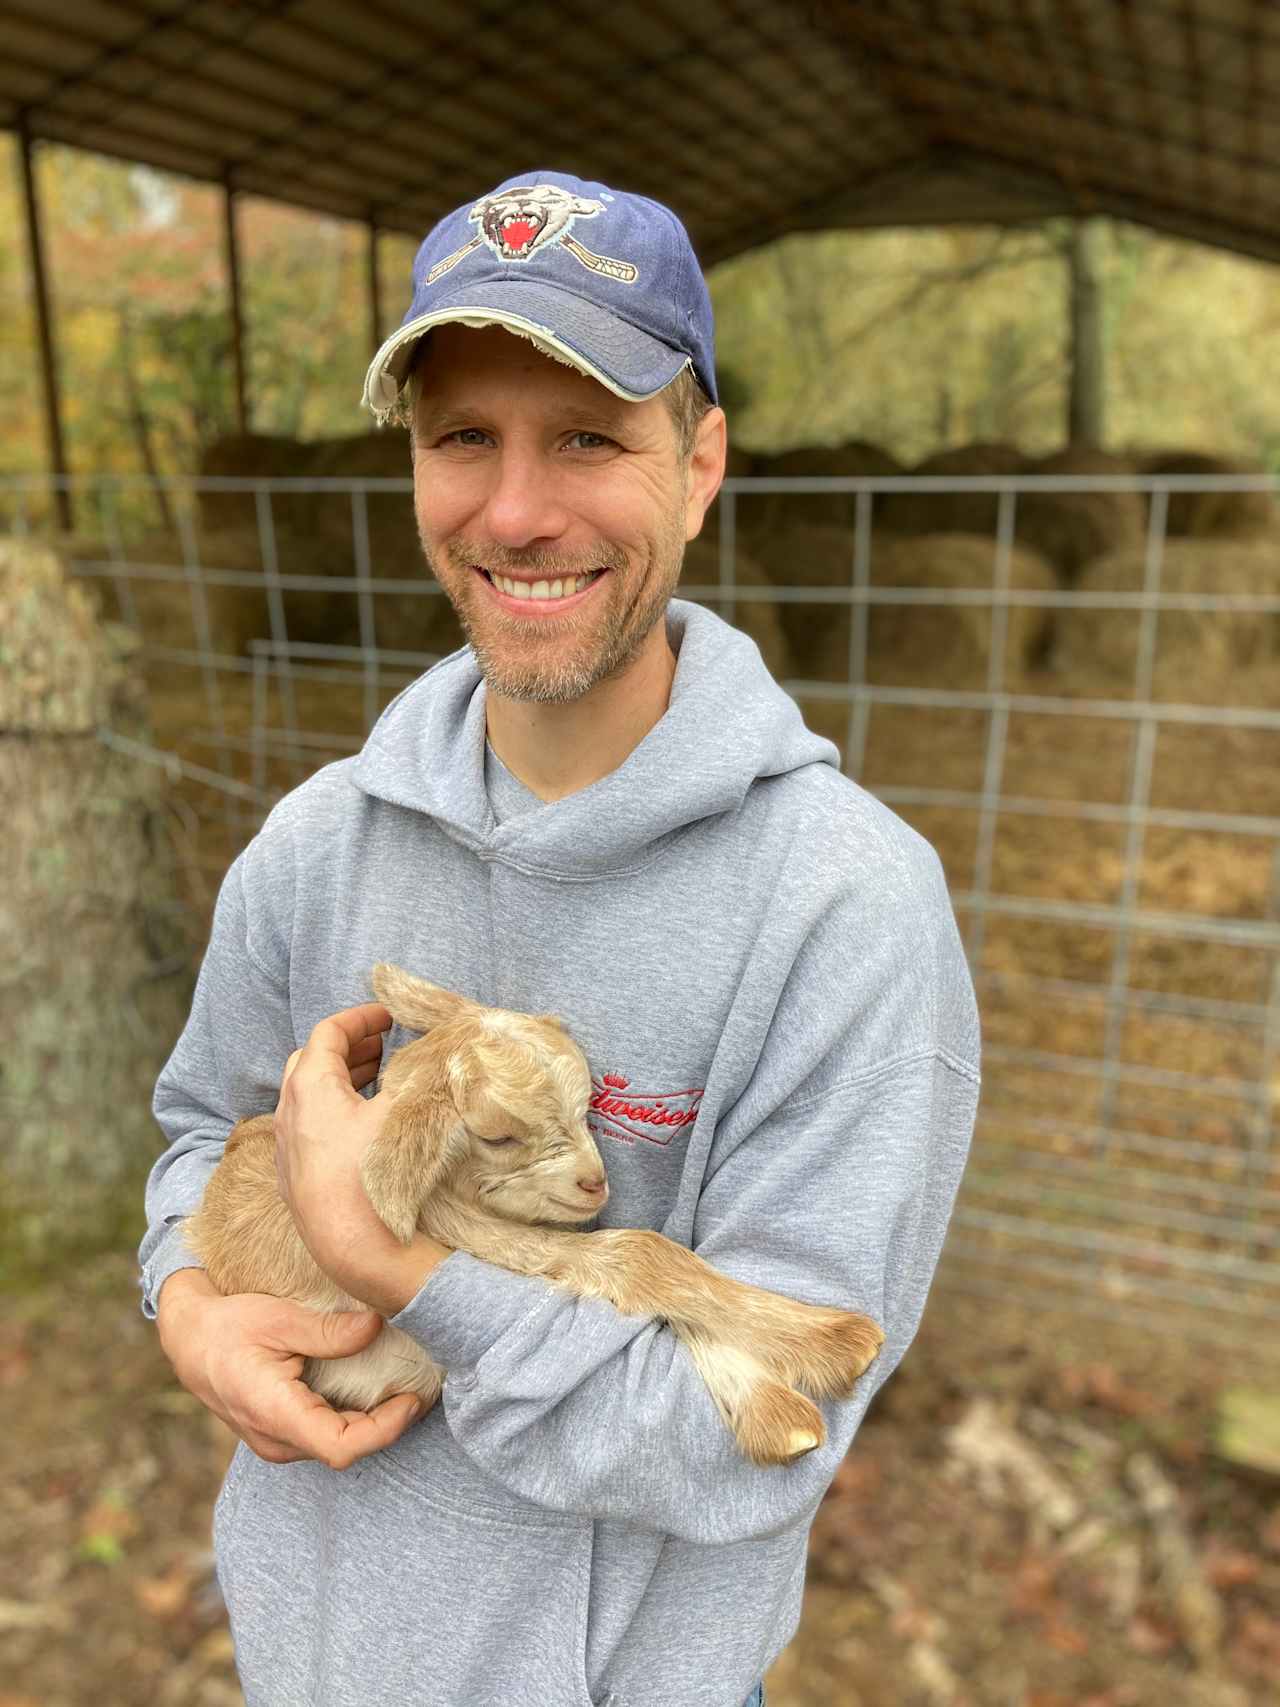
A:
[98, 965]
[761, 620]
[314, 535]
[1212, 515]
[914, 513]
[300, 516]
[249, 456]
[163, 613]
[768, 512]
[1202, 657]
[1071, 529]
[907, 645]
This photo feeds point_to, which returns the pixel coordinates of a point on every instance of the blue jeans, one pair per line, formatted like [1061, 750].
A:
[756, 1697]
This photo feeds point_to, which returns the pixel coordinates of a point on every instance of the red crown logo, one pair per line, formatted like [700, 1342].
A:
[616, 1082]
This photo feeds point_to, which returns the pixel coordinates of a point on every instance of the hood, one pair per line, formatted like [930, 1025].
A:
[728, 722]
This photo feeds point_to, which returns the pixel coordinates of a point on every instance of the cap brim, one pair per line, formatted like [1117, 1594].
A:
[630, 363]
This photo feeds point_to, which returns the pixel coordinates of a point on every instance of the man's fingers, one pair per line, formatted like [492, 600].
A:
[273, 1451]
[341, 1032]
[345, 1040]
[338, 1438]
[335, 1333]
[369, 1050]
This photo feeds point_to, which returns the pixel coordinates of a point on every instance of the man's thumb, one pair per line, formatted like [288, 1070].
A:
[338, 1333]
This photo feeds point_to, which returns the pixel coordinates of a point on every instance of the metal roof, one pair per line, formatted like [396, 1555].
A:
[751, 117]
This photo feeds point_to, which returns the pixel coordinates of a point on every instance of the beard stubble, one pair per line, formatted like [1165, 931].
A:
[536, 662]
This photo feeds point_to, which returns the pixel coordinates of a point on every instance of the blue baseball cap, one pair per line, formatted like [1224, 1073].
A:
[601, 279]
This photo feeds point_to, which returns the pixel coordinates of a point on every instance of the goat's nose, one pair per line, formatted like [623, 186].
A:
[594, 1185]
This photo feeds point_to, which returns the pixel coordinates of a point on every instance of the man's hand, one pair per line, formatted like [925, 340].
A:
[323, 1129]
[242, 1357]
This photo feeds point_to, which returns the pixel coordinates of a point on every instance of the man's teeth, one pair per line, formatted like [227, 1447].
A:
[543, 589]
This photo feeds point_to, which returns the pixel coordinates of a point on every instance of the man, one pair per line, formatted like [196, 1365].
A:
[603, 807]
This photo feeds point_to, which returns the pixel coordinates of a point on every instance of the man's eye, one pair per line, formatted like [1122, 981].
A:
[466, 435]
[599, 439]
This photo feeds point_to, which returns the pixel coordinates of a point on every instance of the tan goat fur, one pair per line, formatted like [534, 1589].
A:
[483, 1145]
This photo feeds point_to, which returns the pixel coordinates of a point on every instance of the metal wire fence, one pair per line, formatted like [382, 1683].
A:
[1113, 848]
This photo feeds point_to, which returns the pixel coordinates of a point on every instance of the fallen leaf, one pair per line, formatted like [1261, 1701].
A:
[104, 1529]
[15, 1357]
[1229, 1567]
[911, 1622]
[1065, 1638]
[165, 1596]
[1031, 1590]
[1099, 1384]
[108, 1518]
[1151, 1635]
[1255, 1644]
[215, 1649]
[858, 1476]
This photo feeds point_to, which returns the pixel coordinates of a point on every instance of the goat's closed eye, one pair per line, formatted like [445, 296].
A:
[498, 1143]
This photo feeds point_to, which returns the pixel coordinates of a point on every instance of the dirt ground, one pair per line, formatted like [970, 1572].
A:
[1033, 1515]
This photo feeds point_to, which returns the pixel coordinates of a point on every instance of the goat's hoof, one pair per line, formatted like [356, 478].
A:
[777, 1425]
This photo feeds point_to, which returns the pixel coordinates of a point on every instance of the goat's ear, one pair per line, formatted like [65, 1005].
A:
[413, 1003]
[420, 1140]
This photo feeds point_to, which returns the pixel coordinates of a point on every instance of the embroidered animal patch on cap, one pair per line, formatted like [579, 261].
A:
[517, 223]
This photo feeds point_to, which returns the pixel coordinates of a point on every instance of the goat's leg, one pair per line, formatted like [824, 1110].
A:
[818, 1349]
[771, 1423]
[821, 1350]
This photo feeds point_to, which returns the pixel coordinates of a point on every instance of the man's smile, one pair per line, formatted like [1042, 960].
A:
[542, 598]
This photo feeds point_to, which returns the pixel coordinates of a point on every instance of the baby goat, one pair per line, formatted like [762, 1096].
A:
[486, 1148]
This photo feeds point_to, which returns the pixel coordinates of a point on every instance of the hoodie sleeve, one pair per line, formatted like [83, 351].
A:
[842, 1198]
[225, 1065]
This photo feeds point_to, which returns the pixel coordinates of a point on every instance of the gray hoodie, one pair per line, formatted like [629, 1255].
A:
[760, 962]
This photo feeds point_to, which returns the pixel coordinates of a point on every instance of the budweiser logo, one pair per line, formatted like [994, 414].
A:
[624, 1114]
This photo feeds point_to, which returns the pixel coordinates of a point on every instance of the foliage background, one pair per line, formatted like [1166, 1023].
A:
[916, 339]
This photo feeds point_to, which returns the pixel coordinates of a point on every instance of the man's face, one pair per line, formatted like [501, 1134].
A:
[530, 471]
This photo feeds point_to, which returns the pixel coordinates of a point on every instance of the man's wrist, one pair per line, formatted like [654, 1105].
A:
[183, 1283]
[177, 1290]
[404, 1275]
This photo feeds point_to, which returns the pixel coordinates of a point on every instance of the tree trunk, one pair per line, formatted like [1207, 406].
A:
[1086, 423]
[138, 421]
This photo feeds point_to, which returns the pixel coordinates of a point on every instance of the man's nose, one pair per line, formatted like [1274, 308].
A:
[523, 506]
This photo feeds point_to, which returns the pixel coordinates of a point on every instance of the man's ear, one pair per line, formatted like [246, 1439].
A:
[706, 469]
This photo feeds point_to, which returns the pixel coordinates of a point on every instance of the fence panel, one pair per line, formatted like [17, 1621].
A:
[1098, 764]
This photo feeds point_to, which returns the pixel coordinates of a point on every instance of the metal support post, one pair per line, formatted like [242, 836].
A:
[44, 329]
[237, 315]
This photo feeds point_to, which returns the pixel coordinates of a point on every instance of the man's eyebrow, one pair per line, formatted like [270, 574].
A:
[586, 417]
[608, 417]
[432, 421]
